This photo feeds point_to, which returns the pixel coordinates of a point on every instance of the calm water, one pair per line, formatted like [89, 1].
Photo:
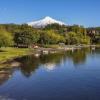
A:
[74, 75]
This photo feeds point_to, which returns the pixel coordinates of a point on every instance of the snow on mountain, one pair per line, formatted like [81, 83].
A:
[42, 23]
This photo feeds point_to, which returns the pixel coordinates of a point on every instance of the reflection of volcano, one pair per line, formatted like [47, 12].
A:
[49, 66]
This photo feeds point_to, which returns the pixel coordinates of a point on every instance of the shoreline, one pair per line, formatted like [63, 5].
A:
[37, 52]
[8, 54]
[48, 50]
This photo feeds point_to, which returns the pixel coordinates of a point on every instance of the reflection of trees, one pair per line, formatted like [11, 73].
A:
[52, 60]
[5, 75]
[29, 64]
[96, 51]
[79, 55]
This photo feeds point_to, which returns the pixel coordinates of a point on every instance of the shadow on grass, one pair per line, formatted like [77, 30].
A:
[2, 51]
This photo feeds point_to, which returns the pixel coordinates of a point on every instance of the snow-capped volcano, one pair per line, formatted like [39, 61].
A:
[42, 23]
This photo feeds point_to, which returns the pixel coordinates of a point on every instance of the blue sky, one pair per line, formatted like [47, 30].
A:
[83, 12]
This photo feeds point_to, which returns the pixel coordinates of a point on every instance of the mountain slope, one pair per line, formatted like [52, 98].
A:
[42, 23]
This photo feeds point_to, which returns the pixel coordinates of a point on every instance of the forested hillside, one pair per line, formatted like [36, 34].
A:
[24, 35]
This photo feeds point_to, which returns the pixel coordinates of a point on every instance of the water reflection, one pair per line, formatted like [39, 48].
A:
[29, 64]
[72, 75]
[5, 74]
[78, 56]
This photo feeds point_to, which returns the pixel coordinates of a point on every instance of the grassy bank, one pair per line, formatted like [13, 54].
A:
[9, 53]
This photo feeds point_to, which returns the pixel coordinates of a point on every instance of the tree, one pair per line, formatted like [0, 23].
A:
[6, 39]
[50, 37]
[76, 38]
[26, 38]
[71, 38]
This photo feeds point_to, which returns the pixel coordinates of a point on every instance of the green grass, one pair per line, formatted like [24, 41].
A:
[9, 53]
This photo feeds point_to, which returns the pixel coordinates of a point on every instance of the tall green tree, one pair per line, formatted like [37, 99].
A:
[6, 38]
[26, 38]
[50, 37]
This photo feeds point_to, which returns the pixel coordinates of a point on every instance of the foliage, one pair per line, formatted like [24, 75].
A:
[25, 35]
[74, 38]
[6, 39]
[50, 37]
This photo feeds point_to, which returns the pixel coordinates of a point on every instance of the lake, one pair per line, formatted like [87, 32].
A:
[71, 75]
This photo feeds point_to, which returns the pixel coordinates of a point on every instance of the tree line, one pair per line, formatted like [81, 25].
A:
[25, 36]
